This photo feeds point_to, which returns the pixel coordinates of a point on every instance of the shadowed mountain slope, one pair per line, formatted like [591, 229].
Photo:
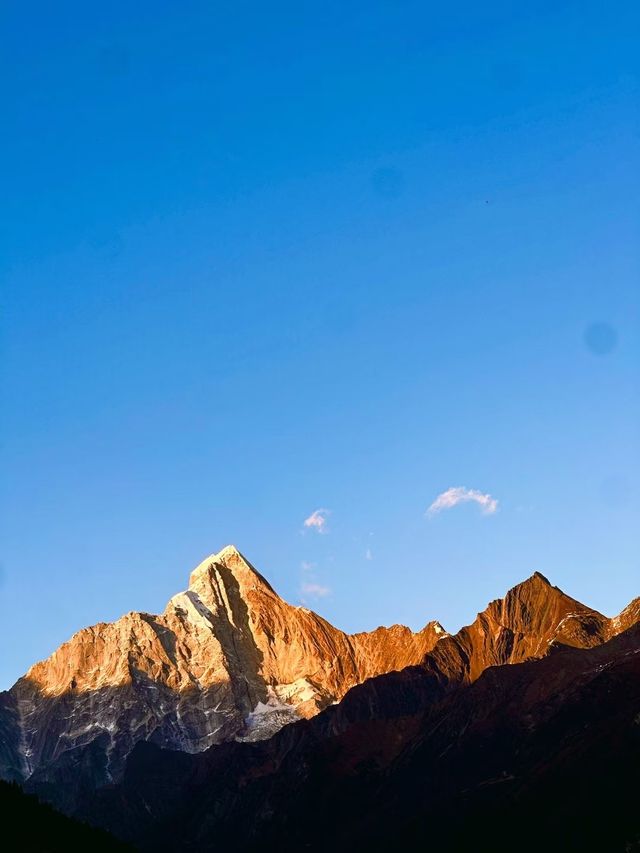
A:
[424, 755]
[542, 755]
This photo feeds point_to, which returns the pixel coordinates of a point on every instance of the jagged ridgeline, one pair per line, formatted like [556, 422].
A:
[173, 731]
[228, 659]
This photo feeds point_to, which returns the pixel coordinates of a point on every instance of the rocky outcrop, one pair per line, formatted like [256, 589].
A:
[628, 617]
[227, 659]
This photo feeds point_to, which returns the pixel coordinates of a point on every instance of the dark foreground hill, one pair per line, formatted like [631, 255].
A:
[29, 826]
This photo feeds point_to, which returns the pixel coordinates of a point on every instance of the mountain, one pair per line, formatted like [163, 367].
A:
[464, 752]
[524, 624]
[542, 755]
[228, 659]
[236, 720]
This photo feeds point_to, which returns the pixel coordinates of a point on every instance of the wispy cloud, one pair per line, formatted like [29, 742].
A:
[458, 495]
[315, 590]
[368, 555]
[307, 566]
[317, 520]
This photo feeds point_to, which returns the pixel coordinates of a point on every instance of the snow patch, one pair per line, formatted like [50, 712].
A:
[297, 692]
[269, 717]
[189, 604]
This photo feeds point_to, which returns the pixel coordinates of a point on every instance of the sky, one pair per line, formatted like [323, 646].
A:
[353, 286]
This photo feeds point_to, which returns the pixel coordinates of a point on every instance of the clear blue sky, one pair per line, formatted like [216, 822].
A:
[262, 259]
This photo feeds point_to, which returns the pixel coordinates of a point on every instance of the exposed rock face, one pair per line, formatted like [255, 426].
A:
[525, 624]
[540, 756]
[628, 617]
[227, 659]
[537, 756]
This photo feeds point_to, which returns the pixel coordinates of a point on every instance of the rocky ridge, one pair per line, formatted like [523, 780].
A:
[228, 659]
[229, 662]
[497, 739]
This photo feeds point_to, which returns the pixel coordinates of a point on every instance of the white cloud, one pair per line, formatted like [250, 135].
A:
[318, 520]
[315, 590]
[368, 555]
[458, 495]
[306, 566]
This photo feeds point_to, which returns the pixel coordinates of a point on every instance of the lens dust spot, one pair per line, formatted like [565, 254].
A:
[600, 338]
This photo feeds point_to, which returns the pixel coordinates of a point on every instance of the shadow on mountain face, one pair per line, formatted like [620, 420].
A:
[541, 755]
[243, 655]
[438, 752]
[66, 743]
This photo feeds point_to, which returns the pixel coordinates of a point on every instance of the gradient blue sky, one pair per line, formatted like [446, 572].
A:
[260, 259]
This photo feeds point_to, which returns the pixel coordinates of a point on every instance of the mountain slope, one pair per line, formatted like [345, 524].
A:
[161, 728]
[539, 755]
[227, 659]
[523, 625]
[370, 759]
